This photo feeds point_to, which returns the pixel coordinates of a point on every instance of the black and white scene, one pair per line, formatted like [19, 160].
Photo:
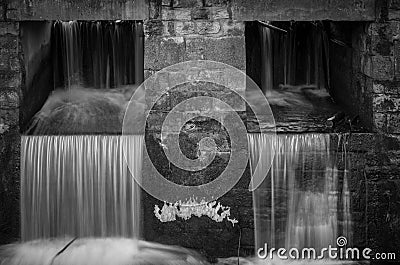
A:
[199, 132]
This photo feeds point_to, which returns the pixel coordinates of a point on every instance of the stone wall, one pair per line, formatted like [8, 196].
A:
[11, 81]
[241, 10]
[191, 31]
[368, 56]
[374, 186]
[365, 81]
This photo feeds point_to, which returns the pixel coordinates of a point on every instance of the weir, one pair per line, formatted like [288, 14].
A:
[97, 54]
[304, 201]
[328, 71]
[80, 186]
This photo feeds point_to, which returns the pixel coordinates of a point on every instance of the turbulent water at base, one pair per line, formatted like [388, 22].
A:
[305, 200]
[79, 186]
[100, 54]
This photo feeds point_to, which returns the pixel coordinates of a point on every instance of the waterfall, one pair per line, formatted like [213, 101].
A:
[297, 57]
[304, 201]
[267, 81]
[79, 186]
[100, 54]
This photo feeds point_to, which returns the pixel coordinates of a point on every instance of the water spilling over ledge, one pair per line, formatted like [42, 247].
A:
[97, 54]
[304, 202]
[80, 186]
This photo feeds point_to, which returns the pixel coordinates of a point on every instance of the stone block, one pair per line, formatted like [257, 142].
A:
[154, 9]
[154, 121]
[202, 13]
[148, 73]
[9, 61]
[229, 50]
[361, 142]
[378, 88]
[220, 13]
[9, 117]
[9, 99]
[393, 121]
[175, 14]
[184, 3]
[397, 59]
[11, 28]
[381, 39]
[232, 28]
[154, 28]
[9, 187]
[10, 79]
[161, 52]
[378, 67]
[391, 88]
[380, 122]
[8, 43]
[207, 27]
[184, 28]
[384, 103]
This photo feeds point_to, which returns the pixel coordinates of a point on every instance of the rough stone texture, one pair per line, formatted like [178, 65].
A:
[350, 86]
[179, 37]
[188, 32]
[364, 83]
[381, 63]
[210, 238]
[373, 161]
[161, 52]
[76, 10]
[242, 10]
[280, 10]
[11, 78]
[371, 76]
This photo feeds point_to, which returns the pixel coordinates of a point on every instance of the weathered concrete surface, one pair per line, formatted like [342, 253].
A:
[307, 10]
[171, 42]
[75, 10]
[373, 171]
[241, 10]
[11, 79]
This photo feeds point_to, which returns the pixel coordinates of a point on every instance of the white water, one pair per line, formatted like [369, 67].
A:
[305, 200]
[79, 186]
[102, 251]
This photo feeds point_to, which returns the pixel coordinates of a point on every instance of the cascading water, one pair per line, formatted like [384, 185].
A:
[267, 81]
[298, 56]
[80, 186]
[304, 202]
[75, 183]
[97, 54]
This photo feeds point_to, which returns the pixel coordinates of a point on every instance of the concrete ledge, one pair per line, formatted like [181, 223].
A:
[77, 10]
[240, 10]
[306, 10]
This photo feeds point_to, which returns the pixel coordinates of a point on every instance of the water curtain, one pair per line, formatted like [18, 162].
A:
[304, 201]
[100, 54]
[79, 186]
[297, 57]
